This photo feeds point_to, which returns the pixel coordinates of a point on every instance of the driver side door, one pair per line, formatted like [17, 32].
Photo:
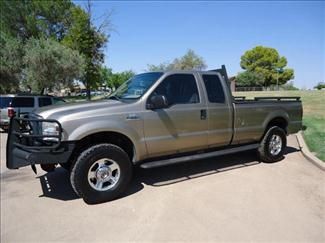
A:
[183, 125]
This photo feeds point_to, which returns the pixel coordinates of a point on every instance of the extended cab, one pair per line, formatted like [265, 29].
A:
[153, 119]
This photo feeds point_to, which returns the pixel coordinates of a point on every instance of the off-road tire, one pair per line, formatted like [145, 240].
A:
[263, 150]
[79, 173]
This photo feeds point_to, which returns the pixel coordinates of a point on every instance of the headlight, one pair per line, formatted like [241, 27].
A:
[51, 129]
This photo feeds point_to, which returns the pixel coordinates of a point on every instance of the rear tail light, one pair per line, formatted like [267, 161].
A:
[11, 112]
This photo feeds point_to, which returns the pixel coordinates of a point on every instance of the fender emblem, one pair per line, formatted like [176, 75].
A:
[132, 117]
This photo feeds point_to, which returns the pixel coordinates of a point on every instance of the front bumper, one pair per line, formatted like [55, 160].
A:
[26, 146]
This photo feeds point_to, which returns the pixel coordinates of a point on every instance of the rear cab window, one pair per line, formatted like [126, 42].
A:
[23, 102]
[213, 88]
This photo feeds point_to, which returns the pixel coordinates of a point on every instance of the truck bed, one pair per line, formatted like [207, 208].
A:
[252, 116]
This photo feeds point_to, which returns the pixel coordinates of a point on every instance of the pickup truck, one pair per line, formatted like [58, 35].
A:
[153, 119]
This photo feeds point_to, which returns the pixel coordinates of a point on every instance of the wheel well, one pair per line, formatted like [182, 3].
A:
[115, 138]
[279, 122]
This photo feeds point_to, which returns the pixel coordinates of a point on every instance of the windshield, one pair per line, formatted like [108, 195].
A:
[136, 86]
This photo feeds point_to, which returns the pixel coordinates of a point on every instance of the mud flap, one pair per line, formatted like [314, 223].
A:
[48, 167]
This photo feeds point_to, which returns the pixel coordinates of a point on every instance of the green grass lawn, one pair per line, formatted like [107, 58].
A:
[314, 115]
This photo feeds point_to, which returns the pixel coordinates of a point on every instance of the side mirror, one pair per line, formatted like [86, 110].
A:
[157, 102]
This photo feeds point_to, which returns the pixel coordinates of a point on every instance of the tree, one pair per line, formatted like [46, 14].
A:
[105, 74]
[21, 21]
[114, 80]
[320, 85]
[267, 62]
[49, 64]
[289, 86]
[34, 18]
[248, 78]
[90, 42]
[190, 61]
[11, 63]
[160, 67]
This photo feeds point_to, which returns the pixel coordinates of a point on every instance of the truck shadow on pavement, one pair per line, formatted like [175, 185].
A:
[56, 185]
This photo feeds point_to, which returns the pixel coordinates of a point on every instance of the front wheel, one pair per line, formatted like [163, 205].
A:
[273, 145]
[101, 173]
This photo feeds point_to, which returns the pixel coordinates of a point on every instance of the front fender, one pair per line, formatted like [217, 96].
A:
[89, 128]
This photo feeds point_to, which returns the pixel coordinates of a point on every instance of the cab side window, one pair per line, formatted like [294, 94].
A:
[179, 89]
[44, 101]
[58, 101]
[214, 88]
[26, 102]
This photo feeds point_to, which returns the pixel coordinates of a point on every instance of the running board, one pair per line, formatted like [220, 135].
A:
[188, 158]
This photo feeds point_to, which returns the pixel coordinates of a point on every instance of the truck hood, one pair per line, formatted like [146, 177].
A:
[77, 110]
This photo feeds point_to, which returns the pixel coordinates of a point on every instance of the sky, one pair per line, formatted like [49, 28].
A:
[152, 32]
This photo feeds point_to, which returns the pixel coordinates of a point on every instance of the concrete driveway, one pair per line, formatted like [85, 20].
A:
[229, 198]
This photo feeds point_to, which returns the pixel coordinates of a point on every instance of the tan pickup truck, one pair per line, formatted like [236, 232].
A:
[153, 119]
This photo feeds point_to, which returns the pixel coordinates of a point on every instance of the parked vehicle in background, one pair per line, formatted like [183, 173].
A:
[23, 104]
[153, 119]
[5, 101]
[27, 103]
[93, 93]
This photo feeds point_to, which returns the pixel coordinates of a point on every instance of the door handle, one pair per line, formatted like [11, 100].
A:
[203, 114]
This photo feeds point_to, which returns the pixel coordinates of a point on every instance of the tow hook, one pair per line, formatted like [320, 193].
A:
[48, 167]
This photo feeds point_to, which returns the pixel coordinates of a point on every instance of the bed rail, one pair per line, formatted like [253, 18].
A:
[282, 98]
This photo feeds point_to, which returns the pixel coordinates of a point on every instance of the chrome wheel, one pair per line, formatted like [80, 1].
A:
[275, 145]
[103, 174]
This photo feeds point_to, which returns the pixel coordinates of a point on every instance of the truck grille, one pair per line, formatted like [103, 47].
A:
[26, 133]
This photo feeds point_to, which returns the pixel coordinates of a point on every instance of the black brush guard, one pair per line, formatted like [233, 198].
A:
[26, 145]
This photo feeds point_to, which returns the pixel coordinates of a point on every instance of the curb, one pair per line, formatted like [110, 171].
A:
[307, 154]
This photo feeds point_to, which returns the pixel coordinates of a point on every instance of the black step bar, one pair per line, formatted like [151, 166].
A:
[188, 158]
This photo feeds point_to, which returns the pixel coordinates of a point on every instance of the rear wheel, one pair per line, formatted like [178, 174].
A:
[273, 145]
[101, 173]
